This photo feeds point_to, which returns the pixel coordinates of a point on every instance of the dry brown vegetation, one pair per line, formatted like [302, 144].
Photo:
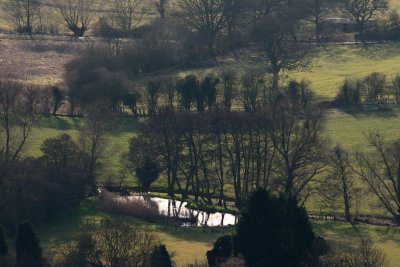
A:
[37, 61]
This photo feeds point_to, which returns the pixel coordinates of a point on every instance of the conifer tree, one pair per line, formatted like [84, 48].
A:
[27, 247]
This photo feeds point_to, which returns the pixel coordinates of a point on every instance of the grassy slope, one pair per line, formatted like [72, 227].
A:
[333, 64]
[348, 128]
[117, 141]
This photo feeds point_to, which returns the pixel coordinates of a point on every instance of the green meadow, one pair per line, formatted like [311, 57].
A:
[332, 64]
[189, 245]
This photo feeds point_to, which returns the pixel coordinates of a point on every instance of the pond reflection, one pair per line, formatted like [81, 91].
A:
[190, 217]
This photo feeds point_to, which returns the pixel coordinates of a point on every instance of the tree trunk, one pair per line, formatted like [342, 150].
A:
[317, 21]
[161, 9]
[347, 214]
[275, 79]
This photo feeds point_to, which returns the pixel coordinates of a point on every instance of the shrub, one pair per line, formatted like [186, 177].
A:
[147, 173]
[112, 243]
[300, 93]
[88, 85]
[187, 89]
[160, 257]
[374, 87]
[349, 93]
[222, 250]
[364, 254]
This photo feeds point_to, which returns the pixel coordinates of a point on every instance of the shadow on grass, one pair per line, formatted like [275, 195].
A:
[377, 51]
[62, 123]
[387, 112]
[197, 234]
[340, 231]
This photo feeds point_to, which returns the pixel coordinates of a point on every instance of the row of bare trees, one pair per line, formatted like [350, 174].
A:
[87, 83]
[212, 155]
[77, 15]
[201, 154]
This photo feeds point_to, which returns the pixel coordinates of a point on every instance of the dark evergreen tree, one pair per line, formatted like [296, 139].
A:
[222, 250]
[160, 257]
[147, 173]
[274, 231]
[187, 89]
[209, 89]
[27, 247]
[58, 98]
[3, 243]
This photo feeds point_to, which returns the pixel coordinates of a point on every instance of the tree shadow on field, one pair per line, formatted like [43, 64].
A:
[386, 112]
[377, 51]
[197, 234]
[388, 233]
[60, 122]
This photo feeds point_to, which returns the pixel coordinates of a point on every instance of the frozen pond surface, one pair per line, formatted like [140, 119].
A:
[175, 208]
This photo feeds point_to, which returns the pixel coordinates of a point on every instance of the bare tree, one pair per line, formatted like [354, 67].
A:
[161, 6]
[76, 14]
[207, 18]
[381, 171]
[318, 11]
[93, 137]
[340, 182]
[373, 87]
[151, 95]
[23, 13]
[252, 83]
[396, 88]
[124, 244]
[15, 123]
[281, 45]
[229, 89]
[129, 13]
[113, 243]
[296, 137]
[276, 32]
[365, 254]
[361, 11]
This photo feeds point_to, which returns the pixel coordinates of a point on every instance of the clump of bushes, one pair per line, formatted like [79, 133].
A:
[115, 243]
[371, 89]
[349, 93]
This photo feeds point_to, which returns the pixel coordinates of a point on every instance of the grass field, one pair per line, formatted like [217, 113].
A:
[189, 245]
[332, 64]
[117, 141]
[348, 129]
